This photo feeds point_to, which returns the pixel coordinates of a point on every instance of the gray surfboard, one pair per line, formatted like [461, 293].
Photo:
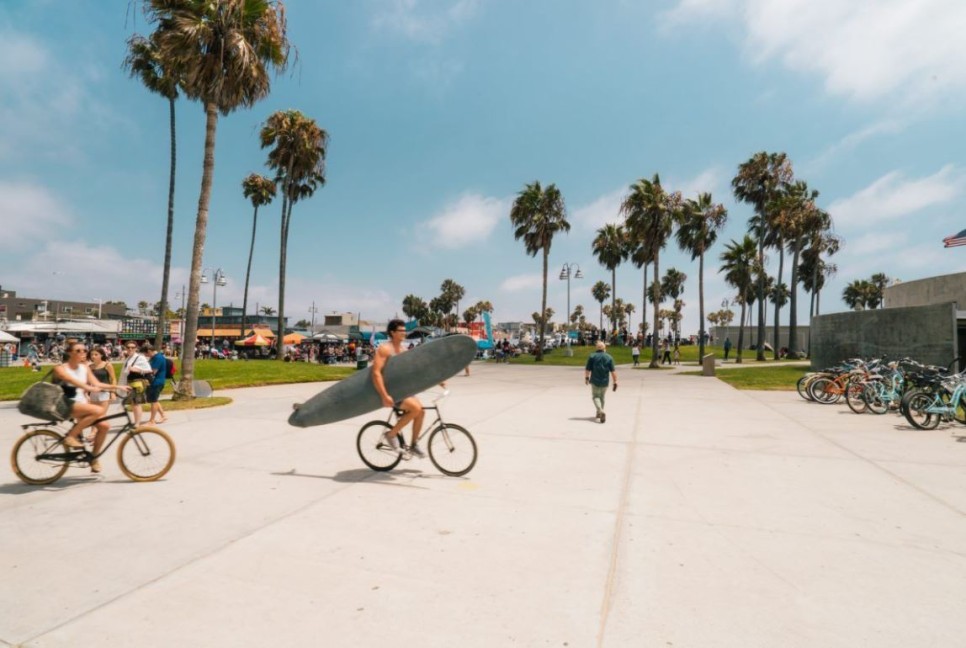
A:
[405, 374]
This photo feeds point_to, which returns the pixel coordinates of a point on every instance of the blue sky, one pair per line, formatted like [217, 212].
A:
[440, 111]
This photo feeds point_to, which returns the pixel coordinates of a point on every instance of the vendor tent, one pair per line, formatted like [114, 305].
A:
[293, 338]
[253, 340]
[6, 337]
[326, 337]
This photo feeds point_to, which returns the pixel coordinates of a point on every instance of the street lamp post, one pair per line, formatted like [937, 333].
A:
[313, 310]
[568, 270]
[219, 280]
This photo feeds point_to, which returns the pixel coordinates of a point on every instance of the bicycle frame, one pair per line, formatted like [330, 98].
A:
[947, 412]
[72, 455]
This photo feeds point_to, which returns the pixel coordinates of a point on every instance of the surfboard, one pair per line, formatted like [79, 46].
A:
[405, 374]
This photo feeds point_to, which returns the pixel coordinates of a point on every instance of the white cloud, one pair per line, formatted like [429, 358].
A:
[30, 214]
[876, 242]
[468, 221]
[851, 142]
[600, 212]
[708, 181]
[867, 50]
[892, 197]
[414, 21]
[522, 282]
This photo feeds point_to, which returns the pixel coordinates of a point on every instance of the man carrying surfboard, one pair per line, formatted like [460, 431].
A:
[411, 407]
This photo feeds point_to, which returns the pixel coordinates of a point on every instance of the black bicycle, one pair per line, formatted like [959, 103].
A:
[39, 457]
[451, 447]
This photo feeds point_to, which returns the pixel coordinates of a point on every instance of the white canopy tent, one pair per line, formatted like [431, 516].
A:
[6, 337]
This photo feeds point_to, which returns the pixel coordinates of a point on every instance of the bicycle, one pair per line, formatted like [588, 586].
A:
[451, 447]
[39, 457]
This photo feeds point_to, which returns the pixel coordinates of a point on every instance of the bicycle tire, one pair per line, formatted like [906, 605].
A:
[25, 462]
[874, 397]
[146, 454]
[916, 403]
[802, 386]
[452, 449]
[373, 449]
[820, 392]
[853, 397]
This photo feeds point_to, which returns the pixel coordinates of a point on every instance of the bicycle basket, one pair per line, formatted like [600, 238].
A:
[45, 401]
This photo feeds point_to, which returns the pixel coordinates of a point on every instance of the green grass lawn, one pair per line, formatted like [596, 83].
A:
[776, 377]
[222, 374]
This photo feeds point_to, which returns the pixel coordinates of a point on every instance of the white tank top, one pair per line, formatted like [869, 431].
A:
[79, 374]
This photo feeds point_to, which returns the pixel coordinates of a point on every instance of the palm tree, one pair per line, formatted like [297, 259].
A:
[880, 281]
[298, 158]
[611, 248]
[758, 183]
[222, 51]
[260, 190]
[144, 62]
[640, 257]
[672, 285]
[698, 228]
[537, 215]
[857, 294]
[801, 220]
[267, 310]
[601, 291]
[629, 309]
[413, 306]
[649, 213]
[738, 263]
[451, 293]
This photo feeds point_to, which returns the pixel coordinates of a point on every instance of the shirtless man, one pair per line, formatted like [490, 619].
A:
[411, 407]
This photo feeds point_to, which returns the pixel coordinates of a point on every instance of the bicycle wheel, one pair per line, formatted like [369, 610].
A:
[874, 395]
[452, 450]
[820, 390]
[26, 462]
[802, 386]
[373, 448]
[915, 413]
[853, 396]
[146, 454]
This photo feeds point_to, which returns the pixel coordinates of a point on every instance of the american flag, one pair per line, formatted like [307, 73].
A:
[953, 241]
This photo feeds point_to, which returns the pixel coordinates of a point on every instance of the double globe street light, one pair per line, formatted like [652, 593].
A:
[568, 270]
[219, 280]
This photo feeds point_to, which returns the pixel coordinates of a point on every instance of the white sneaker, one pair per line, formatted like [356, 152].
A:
[417, 452]
[393, 443]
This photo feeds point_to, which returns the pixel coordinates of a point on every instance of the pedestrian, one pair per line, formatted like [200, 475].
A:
[677, 354]
[666, 357]
[727, 347]
[597, 373]
[636, 353]
[135, 373]
[156, 382]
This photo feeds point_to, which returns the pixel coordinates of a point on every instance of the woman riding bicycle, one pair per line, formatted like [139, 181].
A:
[77, 380]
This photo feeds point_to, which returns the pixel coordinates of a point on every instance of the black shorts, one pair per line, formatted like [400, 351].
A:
[153, 393]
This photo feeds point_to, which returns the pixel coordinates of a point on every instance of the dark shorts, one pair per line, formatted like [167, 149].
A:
[153, 393]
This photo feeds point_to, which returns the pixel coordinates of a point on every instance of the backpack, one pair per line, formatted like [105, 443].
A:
[170, 370]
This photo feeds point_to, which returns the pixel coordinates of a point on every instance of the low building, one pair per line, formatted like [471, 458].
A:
[14, 308]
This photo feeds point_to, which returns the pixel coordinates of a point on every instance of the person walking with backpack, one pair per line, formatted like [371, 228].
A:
[597, 374]
[159, 369]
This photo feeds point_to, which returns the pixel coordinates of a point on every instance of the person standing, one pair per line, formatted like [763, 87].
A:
[159, 370]
[597, 373]
[636, 353]
[727, 347]
[666, 357]
[135, 372]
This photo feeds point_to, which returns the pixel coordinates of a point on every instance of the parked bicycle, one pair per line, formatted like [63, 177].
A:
[39, 457]
[451, 447]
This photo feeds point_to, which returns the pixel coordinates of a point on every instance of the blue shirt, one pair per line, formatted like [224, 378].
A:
[159, 364]
[600, 365]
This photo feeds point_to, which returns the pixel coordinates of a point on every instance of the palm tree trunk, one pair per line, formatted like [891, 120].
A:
[186, 384]
[657, 306]
[741, 334]
[793, 301]
[248, 272]
[760, 344]
[644, 304]
[778, 283]
[701, 307]
[613, 298]
[543, 306]
[166, 276]
[283, 247]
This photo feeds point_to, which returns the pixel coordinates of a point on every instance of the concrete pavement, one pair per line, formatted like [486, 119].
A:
[697, 516]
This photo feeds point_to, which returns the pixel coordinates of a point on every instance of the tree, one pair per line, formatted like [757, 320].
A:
[601, 291]
[298, 158]
[260, 190]
[414, 307]
[451, 293]
[738, 263]
[880, 281]
[303, 324]
[611, 248]
[698, 228]
[649, 217]
[267, 310]
[758, 182]
[629, 309]
[537, 215]
[470, 315]
[222, 51]
[145, 62]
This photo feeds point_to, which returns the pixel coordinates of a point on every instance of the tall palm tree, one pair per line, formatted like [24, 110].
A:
[611, 248]
[260, 190]
[698, 228]
[537, 215]
[451, 293]
[649, 213]
[297, 155]
[801, 219]
[144, 62]
[672, 285]
[413, 306]
[758, 182]
[222, 51]
[629, 309]
[738, 263]
[880, 281]
[601, 291]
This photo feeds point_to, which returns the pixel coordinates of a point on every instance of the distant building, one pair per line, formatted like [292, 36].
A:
[14, 308]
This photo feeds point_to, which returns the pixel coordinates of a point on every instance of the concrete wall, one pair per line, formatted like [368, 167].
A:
[923, 333]
[932, 290]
